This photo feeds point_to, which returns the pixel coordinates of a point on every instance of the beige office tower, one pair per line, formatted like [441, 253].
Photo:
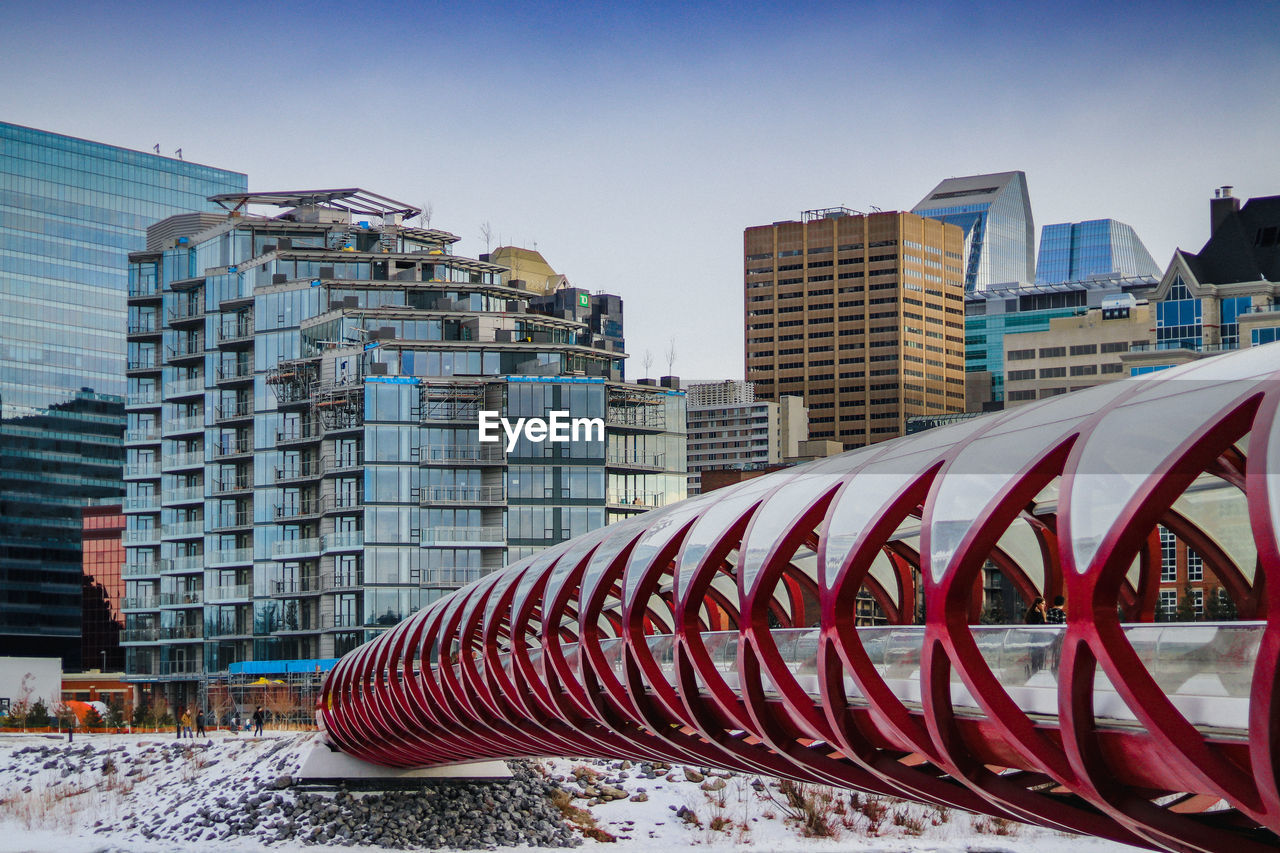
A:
[862, 315]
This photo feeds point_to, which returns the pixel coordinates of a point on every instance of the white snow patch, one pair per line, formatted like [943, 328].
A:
[158, 787]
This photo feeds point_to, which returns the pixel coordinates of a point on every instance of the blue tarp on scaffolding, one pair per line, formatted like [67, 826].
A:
[278, 667]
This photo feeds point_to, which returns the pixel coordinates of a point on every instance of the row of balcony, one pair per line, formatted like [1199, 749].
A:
[187, 346]
[292, 588]
[309, 469]
[283, 549]
[141, 568]
[188, 598]
[152, 635]
[335, 504]
[635, 500]
[161, 669]
[236, 329]
[228, 630]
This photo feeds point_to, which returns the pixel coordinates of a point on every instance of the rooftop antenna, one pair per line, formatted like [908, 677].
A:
[179, 153]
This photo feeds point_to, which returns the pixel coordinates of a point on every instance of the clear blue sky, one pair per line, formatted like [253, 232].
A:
[633, 143]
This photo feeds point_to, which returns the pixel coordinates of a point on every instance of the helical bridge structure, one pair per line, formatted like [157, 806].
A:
[824, 623]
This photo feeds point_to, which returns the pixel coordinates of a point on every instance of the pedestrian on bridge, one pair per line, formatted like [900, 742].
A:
[1057, 615]
[1036, 612]
[1036, 616]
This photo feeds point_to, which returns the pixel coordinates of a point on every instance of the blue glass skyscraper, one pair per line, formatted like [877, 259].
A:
[70, 212]
[1072, 251]
[999, 234]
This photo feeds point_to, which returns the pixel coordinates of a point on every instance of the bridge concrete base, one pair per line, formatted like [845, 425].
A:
[325, 766]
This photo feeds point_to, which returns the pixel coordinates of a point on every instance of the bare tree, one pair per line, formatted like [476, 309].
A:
[280, 701]
[486, 231]
[425, 216]
[671, 356]
[20, 710]
[65, 715]
[646, 361]
[220, 703]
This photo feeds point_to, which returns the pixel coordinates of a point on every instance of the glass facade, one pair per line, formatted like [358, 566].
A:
[304, 461]
[1071, 251]
[1179, 319]
[70, 211]
[103, 619]
[995, 213]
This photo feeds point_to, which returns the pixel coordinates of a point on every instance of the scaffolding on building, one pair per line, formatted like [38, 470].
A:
[340, 407]
[286, 690]
[635, 408]
[293, 381]
[459, 401]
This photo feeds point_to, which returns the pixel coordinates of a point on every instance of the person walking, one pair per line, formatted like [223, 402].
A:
[258, 719]
[186, 723]
[1057, 614]
[200, 723]
[177, 720]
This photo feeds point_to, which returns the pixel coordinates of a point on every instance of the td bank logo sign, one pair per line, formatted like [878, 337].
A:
[558, 428]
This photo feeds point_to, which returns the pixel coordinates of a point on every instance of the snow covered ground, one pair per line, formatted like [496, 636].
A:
[149, 793]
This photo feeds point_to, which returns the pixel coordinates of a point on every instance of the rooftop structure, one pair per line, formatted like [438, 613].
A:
[999, 234]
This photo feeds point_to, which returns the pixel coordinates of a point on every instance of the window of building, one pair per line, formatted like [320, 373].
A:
[1053, 352]
[1020, 354]
[1084, 370]
[1195, 566]
[1115, 346]
[1113, 368]
[1052, 372]
[1168, 603]
[1265, 336]
[1084, 349]
[1168, 556]
[1017, 396]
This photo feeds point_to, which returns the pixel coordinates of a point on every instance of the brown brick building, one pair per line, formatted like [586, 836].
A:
[862, 315]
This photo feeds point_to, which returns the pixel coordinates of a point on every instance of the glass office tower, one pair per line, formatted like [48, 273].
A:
[70, 212]
[1071, 251]
[304, 460]
[999, 234]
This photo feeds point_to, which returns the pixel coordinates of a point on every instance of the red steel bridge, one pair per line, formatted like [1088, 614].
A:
[724, 631]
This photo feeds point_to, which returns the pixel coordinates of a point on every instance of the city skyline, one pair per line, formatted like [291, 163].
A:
[597, 133]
